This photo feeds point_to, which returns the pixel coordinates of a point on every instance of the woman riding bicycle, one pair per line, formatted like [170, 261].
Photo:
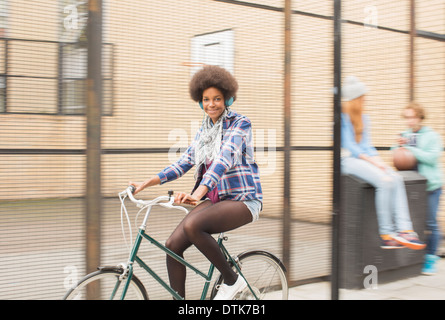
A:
[227, 179]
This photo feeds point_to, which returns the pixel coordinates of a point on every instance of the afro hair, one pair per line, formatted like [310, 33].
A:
[213, 77]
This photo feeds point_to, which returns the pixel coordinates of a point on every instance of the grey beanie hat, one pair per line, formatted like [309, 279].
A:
[353, 88]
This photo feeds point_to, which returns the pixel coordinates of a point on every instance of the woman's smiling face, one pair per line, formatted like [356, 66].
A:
[213, 103]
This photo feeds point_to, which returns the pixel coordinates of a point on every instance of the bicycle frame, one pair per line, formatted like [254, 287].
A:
[207, 277]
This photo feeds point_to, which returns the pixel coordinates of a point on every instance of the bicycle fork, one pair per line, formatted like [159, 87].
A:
[128, 271]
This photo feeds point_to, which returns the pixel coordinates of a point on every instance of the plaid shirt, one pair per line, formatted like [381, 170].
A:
[234, 172]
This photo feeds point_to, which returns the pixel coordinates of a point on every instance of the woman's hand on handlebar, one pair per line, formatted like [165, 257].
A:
[185, 198]
[138, 185]
[192, 199]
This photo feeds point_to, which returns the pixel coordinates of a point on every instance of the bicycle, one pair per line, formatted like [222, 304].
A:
[264, 273]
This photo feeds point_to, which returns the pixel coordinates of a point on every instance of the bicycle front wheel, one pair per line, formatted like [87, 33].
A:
[265, 274]
[106, 285]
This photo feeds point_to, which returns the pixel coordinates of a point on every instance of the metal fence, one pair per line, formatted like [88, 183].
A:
[284, 63]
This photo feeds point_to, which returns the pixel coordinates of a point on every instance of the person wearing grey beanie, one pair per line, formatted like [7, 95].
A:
[353, 88]
[360, 158]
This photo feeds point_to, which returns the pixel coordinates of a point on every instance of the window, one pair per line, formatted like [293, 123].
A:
[74, 73]
[3, 34]
[74, 61]
[3, 18]
[215, 48]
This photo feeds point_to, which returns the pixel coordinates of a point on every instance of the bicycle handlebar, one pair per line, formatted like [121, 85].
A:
[142, 203]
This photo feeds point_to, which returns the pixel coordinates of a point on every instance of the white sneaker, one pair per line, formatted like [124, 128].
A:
[226, 292]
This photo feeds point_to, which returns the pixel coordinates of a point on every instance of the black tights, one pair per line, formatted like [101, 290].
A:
[197, 229]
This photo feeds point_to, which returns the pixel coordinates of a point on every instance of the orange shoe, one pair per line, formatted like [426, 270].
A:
[410, 240]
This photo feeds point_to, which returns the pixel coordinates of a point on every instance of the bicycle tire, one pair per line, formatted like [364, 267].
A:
[265, 274]
[109, 278]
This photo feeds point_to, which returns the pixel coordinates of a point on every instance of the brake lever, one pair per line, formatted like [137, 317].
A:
[172, 200]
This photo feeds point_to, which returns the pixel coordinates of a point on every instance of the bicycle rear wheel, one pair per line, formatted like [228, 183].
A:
[105, 285]
[265, 274]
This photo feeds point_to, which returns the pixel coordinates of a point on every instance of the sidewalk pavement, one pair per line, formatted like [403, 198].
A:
[420, 287]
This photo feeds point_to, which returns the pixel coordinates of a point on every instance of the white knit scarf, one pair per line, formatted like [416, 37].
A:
[209, 143]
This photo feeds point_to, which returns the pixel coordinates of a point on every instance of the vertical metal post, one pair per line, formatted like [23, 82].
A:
[93, 144]
[287, 134]
[336, 210]
[412, 60]
[60, 78]
[6, 78]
